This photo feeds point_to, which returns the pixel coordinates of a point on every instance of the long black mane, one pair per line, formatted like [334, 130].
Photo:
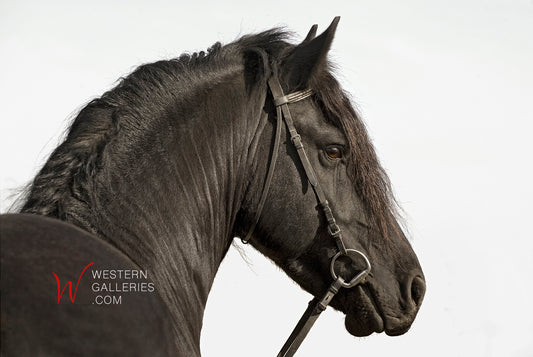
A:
[64, 187]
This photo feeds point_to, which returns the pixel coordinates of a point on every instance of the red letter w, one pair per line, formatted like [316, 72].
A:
[69, 284]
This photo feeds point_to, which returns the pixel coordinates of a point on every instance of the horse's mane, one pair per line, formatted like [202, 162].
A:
[62, 187]
[370, 179]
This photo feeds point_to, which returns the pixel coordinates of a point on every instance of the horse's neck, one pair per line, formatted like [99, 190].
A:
[162, 176]
[171, 205]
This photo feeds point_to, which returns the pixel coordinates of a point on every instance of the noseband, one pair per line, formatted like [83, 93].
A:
[316, 306]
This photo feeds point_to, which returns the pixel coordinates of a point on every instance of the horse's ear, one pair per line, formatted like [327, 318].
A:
[308, 58]
[311, 34]
[256, 67]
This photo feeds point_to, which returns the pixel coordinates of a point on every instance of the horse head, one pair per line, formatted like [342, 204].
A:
[290, 226]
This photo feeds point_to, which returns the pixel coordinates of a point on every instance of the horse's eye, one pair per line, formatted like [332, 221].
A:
[334, 152]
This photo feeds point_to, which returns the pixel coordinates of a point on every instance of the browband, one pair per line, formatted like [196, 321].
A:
[293, 97]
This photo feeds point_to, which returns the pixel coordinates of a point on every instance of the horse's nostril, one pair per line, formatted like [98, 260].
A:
[418, 289]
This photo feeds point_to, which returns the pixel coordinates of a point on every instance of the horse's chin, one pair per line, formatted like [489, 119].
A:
[364, 324]
[364, 319]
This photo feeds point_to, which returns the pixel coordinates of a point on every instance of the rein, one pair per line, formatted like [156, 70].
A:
[316, 306]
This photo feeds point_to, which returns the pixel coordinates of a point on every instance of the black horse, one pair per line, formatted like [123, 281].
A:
[162, 172]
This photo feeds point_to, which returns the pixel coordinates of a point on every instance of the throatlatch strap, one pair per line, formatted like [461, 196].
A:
[279, 101]
[268, 179]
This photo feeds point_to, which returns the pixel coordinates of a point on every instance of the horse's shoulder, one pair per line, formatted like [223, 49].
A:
[39, 256]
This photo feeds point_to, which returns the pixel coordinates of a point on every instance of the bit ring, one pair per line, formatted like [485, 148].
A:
[358, 277]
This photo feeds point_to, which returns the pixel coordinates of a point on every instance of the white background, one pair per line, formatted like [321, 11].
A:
[446, 89]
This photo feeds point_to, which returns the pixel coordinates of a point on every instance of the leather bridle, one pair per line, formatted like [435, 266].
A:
[317, 305]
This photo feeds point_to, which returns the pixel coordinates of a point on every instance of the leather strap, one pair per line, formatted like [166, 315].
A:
[268, 179]
[279, 101]
[333, 228]
[314, 309]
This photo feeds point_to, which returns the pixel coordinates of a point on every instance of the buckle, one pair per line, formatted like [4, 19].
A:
[297, 141]
[335, 231]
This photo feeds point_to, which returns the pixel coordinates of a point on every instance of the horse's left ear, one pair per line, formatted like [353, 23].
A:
[311, 34]
[308, 58]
